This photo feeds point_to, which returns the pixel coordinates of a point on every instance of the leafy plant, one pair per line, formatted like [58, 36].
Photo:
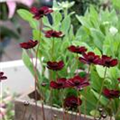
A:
[7, 107]
[52, 48]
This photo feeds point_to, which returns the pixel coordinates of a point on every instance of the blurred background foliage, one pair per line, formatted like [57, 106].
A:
[80, 6]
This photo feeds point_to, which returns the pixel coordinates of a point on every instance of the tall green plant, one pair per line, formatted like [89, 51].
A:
[95, 33]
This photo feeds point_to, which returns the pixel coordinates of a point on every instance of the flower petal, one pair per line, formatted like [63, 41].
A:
[11, 8]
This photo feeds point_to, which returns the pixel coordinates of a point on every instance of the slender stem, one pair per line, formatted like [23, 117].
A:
[53, 44]
[36, 80]
[85, 108]
[51, 94]
[62, 99]
[100, 91]
[111, 109]
[65, 12]
[41, 28]
[77, 63]
[79, 111]
[36, 101]
[118, 111]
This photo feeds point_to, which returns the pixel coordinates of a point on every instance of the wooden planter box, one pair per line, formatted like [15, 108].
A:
[28, 111]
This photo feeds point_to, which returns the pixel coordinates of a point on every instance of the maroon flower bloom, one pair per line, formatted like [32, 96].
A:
[90, 58]
[119, 79]
[28, 45]
[111, 93]
[77, 49]
[2, 77]
[108, 61]
[39, 13]
[77, 82]
[52, 33]
[59, 84]
[55, 65]
[72, 102]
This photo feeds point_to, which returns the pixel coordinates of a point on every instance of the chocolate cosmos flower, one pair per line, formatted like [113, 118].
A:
[2, 77]
[77, 82]
[111, 93]
[77, 49]
[119, 79]
[72, 102]
[39, 13]
[108, 61]
[52, 33]
[59, 84]
[90, 58]
[55, 65]
[28, 45]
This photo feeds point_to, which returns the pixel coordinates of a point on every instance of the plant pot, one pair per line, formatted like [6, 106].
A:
[25, 110]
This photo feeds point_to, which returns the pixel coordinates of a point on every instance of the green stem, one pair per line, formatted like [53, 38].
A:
[100, 91]
[62, 101]
[77, 63]
[79, 111]
[118, 112]
[65, 12]
[53, 44]
[111, 109]
[85, 108]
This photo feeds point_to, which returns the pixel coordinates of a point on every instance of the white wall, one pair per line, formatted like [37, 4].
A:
[19, 78]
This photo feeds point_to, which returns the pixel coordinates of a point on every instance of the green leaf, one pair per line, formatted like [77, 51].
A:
[46, 22]
[29, 64]
[97, 51]
[57, 17]
[98, 37]
[71, 33]
[34, 24]
[56, 6]
[36, 35]
[83, 21]
[24, 14]
[116, 3]
[100, 70]
[95, 80]
[27, 16]
[90, 98]
[102, 99]
[94, 14]
[95, 113]
[65, 25]
[112, 72]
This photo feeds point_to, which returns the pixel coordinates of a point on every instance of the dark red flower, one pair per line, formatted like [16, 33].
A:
[119, 79]
[2, 77]
[28, 45]
[52, 33]
[108, 61]
[39, 13]
[59, 84]
[55, 65]
[72, 102]
[111, 93]
[77, 49]
[77, 82]
[90, 58]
